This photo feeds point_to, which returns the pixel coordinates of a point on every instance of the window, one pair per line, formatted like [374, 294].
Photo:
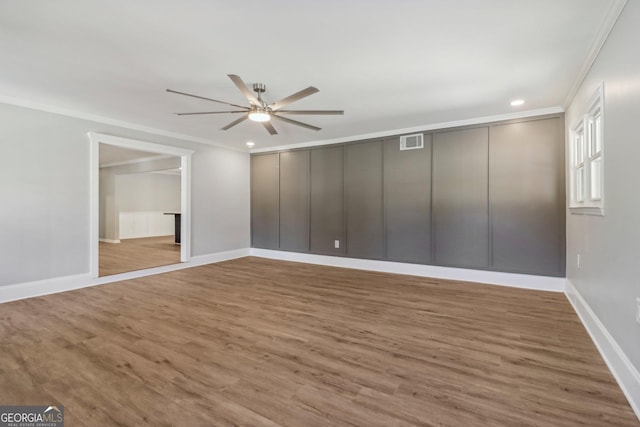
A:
[586, 148]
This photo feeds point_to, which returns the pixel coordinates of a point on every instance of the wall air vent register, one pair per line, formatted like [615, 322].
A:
[411, 142]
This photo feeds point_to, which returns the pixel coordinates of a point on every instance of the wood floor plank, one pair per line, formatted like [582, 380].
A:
[137, 254]
[256, 342]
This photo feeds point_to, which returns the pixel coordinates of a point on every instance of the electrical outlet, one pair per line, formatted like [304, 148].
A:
[638, 309]
[578, 261]
[336, 244]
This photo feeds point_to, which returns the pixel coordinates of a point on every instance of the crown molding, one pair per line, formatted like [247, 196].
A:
[110, 121]
[154, 131]
[424, 128]
[608, 22]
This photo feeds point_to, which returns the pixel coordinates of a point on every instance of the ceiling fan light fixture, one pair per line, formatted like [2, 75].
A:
[259, 110]
[259, 115]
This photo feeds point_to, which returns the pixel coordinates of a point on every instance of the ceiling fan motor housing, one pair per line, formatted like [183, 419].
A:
[259, 87]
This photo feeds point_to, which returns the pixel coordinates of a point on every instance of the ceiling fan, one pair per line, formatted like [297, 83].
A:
[260, 110]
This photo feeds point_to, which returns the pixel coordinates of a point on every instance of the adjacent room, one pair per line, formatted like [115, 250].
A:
[139, 204]
[285, 213]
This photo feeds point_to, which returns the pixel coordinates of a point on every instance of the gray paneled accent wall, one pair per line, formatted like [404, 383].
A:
[365, 221]
[327, 201]
[484, 197]
[294, 200]
[526, 183]
[460, 198]
[407, 201]
[265, 201]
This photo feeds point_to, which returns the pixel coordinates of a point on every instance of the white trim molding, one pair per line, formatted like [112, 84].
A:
[586, 149]
[68, 283]
[526, 281]
[43, 287]
[185, 207]
[20, 102]
[608, 22]
[136, 161]
[417, 129]
[109, 240]
[95, 139]
[587, 210]
[623, 371]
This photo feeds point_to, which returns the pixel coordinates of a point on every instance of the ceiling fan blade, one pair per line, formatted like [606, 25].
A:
[295, 122]
[207, 99]
[235, 122]
[269, 127]
[319, 112]
[210, 112]
[244, 89]
[293, 98]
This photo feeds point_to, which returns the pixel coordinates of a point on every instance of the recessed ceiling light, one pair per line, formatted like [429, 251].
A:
[517, 102]
[250, 144]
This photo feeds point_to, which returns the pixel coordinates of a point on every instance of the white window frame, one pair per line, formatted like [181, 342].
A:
[586, 147]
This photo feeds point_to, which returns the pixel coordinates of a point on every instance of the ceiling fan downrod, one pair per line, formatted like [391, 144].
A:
[260, 88]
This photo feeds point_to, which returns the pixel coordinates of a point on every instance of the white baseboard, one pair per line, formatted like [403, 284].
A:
[527, 281]
[218, 257]
[67, 283]
[43, 287]
[619, 364]
[109, 240]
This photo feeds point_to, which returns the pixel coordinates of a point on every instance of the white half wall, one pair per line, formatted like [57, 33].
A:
[134, 225]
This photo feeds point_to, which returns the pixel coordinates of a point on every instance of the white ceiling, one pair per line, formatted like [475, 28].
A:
[388, 64]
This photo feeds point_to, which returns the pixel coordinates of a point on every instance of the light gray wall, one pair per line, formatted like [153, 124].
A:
[148, 192]
[608, 277]
[142, 199]
[44, 188]
[220, 201]
[108, 209]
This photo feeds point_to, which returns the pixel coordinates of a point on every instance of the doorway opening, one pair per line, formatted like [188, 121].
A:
[133, 231]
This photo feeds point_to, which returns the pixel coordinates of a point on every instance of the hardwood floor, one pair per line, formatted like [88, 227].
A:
[137, 254]
[256, 342]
